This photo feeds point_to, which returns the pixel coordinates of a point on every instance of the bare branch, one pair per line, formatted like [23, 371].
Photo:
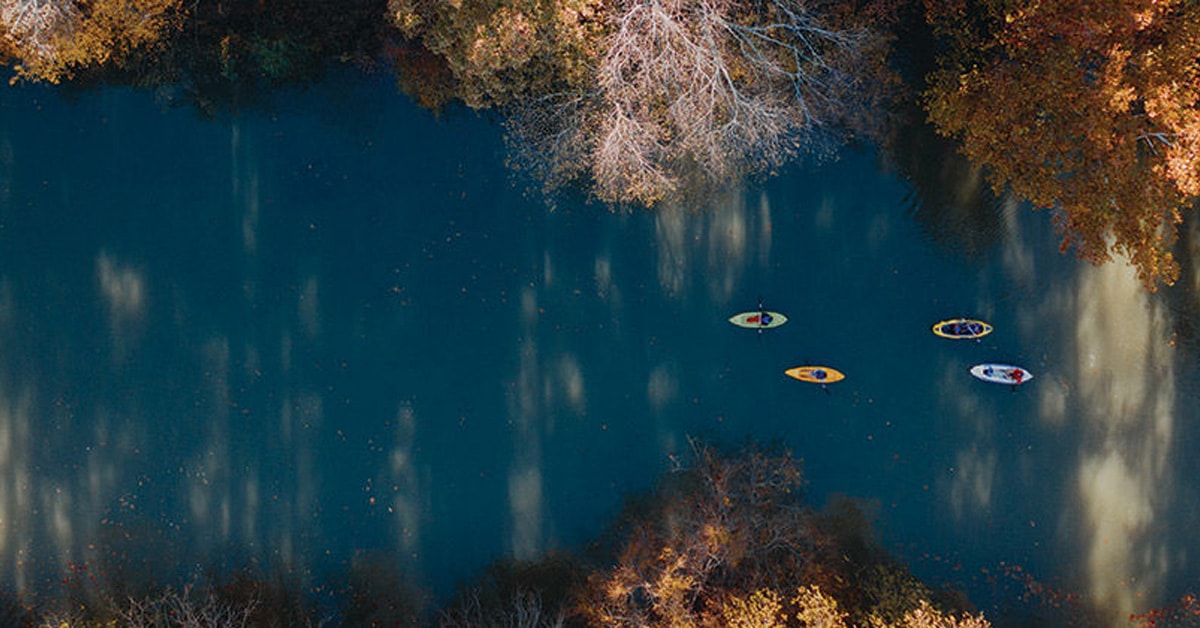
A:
[700, 90]
[181, 609]
[524, 610]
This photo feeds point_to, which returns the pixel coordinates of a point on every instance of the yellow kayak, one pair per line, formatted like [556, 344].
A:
[816, 374]
[962, 329]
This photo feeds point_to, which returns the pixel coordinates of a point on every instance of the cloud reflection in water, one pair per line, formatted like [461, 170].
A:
[1126, 401]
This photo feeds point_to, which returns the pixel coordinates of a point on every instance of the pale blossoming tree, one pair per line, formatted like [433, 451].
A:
[697, 91]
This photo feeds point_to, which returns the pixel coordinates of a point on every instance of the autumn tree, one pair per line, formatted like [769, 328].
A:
[730, 542]
[646, 98]
[694, 95]
[215, 55]
[52, 40]
[1089, 108]
[721, 534]
[497, 52]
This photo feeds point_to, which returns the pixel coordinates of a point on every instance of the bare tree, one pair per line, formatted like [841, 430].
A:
[166, 609]
[697, 89]
[524, 610]
[735, 525]
[186, 610]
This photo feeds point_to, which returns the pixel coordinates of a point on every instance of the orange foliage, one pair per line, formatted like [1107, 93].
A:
[423, 75]
[731, 544]
[51, 41]
[1185, 612]
[1090, 108]
[730, 532]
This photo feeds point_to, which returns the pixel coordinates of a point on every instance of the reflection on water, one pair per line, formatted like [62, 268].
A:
[124, 292]
[1124, 382]
[1185, 295]
[1109, 398]
[403, 486]
[948, 197]
[728, 235]
[975, 463]
[396, 351]
[525, 475]
[17, 490]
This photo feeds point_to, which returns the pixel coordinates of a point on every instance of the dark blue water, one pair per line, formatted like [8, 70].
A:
[344, 327]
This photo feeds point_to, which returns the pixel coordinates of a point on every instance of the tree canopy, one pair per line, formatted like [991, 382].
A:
[732, 542]
[51, 40]
[643, 99]
[500, 51]
[1089, 108]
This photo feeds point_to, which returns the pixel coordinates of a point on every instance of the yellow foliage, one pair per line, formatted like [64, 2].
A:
[87, 34]
[675, 568]
[503, 48]
[817, 610]
[926, 616]
[406, 17]
[762, 609]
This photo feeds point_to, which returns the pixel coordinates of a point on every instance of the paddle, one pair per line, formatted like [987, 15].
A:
[824, 386]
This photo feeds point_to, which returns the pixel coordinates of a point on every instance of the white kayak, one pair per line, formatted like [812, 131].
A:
[1001, 374]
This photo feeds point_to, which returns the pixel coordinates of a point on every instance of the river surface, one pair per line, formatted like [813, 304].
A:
[344, 327]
